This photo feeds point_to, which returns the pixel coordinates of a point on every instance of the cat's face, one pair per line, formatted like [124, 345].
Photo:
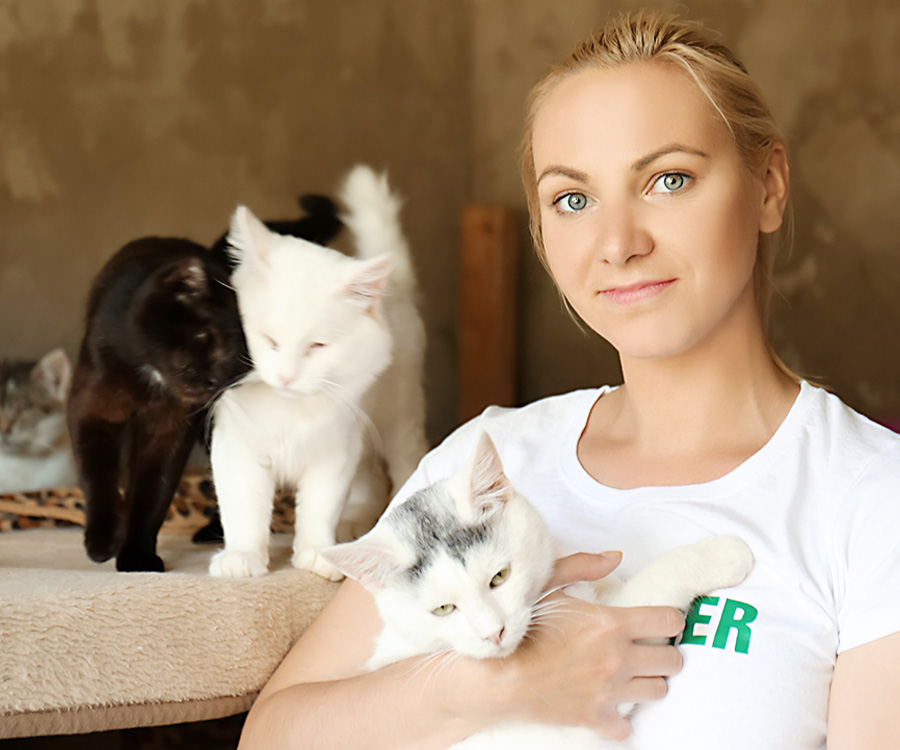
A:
[459, 565]
[32, 399]
[192, 337]
[479, 605]
[311, 315]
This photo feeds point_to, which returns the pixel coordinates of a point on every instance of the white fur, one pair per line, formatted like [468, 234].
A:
[319, 330]
[396, 401]
[378, 560]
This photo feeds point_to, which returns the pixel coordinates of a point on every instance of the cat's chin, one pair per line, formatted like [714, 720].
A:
[494, 651]
[287, 393]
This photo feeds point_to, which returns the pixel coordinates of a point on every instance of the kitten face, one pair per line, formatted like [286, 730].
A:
[191, 331]
[311, 315]
[479, 606]
[31, 404]
[459, 565]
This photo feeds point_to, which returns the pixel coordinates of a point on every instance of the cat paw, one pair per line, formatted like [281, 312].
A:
[136, 563]
[728, 558]
[309, 559]
[230, 564]
[100, 541]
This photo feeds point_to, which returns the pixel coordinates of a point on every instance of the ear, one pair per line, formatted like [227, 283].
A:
[249, 240]
[54, 373]
[481, 483]
[776, 184]
[186, 280]
[366, 285]
[364, 560]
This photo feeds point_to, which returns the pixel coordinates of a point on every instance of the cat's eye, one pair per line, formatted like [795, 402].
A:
[316, 345]
[443, 610]
[500, 577]
[271, 342]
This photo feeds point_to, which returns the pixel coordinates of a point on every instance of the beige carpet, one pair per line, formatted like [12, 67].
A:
[86, 649]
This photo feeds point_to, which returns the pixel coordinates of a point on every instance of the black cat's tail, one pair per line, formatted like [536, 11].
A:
[321, 224]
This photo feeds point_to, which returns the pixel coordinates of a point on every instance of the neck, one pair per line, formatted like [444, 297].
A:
[693, 401]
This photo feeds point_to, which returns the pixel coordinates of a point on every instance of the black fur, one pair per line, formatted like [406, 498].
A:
[162, 339]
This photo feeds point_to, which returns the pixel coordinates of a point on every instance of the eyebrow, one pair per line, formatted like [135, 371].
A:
[636, 166]
[672, 148]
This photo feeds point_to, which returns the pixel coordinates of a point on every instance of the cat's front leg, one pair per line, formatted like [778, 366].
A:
[97, 445]
[321, 496]
[245, 489]
[159, 453]
[678, 577]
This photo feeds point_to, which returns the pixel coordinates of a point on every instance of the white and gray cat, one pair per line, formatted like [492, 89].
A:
[462, 566]
[35, 450]
[337, 346]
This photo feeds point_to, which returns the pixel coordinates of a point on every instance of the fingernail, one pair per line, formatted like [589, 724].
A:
[612, 553]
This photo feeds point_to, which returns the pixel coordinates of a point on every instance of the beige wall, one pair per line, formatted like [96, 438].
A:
[121, 118]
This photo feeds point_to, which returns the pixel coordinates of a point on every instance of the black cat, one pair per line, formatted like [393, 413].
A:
[162, 339]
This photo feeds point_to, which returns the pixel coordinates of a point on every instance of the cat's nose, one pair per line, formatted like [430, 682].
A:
[286, 380]
[495, 638]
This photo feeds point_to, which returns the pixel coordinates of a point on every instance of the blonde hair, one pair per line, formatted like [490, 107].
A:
[653, 36]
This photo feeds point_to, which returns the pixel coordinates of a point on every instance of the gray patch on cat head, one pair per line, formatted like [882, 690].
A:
[429, 523]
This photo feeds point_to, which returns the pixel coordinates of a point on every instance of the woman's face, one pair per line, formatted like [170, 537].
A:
[650, 219]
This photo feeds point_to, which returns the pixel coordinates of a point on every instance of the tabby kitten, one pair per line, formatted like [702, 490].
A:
[35, 453]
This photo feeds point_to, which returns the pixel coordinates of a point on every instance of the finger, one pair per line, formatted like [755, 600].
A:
[615, 727]
[654, 661]
[653, 622]
[584, 566]
[644, 690]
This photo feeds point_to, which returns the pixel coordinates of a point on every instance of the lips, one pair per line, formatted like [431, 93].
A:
[635, 293]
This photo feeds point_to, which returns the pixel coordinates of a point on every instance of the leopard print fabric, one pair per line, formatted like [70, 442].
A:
[193, 505]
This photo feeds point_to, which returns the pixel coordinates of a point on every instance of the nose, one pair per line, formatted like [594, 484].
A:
[496, 637]
[621, 237]
[286, 380]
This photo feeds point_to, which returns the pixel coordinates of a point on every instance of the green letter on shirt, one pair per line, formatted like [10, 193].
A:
[694, 618]
[736, 616]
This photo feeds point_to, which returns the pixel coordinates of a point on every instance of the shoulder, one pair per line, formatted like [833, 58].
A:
[845, 443]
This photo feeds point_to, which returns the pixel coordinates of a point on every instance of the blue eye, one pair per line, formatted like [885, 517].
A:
[670, 182]
[571, 202]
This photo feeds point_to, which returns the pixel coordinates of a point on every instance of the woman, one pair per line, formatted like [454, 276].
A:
[656, 182]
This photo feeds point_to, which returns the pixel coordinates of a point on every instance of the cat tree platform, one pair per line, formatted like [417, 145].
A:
[86, 649]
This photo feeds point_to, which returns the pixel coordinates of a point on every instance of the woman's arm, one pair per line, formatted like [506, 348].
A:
[865, 695]
[575, 670]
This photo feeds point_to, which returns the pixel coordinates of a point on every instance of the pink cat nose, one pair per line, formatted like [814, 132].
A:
[495, 638]
[286, 380]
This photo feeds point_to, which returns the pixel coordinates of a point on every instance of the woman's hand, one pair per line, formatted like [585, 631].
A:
[582, 660]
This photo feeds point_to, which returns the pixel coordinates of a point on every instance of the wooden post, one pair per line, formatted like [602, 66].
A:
[487, 329]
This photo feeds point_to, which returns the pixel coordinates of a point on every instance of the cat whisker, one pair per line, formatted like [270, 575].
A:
[430, 662]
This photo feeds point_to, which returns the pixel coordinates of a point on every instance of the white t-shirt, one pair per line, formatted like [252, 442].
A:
[819, 506]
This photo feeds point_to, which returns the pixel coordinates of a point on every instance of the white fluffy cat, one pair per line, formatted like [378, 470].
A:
[326, 397]
[462, 566]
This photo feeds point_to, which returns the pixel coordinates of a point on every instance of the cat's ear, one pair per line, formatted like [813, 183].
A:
[54, 374]
[365, 560]
[366, 286]
[186, 280]
[249, 240]
[484, 485]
